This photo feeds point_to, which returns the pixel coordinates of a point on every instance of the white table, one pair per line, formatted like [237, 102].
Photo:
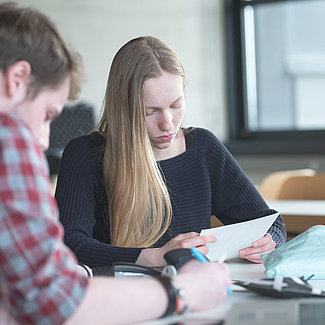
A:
[298, 207]
[239, 270]
[299, 215]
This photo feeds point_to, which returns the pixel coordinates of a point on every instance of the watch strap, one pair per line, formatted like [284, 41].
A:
[174, 294]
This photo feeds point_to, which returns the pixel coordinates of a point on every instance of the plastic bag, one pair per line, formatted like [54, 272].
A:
[303, 256]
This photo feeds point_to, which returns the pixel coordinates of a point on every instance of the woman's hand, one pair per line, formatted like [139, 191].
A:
[261, 246]
[155, 256]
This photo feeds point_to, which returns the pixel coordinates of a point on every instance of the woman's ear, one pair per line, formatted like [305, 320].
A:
[18, 79]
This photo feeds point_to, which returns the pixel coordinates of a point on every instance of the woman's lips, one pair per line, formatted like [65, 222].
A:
[166, 138]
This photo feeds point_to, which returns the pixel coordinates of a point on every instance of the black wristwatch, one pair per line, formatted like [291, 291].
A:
[174, 293]
[178, 257]
[175, 260]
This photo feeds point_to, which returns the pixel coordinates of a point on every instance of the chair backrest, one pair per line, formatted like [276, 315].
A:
[75, 120]
[302, 184]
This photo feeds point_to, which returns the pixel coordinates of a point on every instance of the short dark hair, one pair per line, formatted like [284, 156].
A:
[27, 34]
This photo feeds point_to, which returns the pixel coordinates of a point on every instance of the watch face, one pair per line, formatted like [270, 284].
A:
[169, 270]
[178, 257]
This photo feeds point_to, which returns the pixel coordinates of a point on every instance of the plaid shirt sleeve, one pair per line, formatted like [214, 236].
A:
[37, 271]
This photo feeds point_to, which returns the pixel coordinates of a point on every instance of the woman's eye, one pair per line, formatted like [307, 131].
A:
[177, 104]
[149, 112]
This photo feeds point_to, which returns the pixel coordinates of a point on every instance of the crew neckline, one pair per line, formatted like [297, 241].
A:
[188, 144]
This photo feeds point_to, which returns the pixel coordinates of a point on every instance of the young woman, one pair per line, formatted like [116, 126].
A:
[142, 184]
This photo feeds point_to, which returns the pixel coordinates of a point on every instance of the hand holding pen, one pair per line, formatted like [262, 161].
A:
[202, 258]
[209, 282]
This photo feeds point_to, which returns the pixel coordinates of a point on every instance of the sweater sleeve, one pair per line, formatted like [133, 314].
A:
[234, 197]
[78, 194]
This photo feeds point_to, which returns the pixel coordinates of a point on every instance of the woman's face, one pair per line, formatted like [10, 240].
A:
[165, 107]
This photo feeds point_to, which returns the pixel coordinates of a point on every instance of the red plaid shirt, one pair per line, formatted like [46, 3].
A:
[38, 272]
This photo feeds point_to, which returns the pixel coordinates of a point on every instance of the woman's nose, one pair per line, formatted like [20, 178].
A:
[166, 122]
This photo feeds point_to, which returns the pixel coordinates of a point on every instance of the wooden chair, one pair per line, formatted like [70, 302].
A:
[302, 184]
[215, 222]
[286, 185]
[53, 179]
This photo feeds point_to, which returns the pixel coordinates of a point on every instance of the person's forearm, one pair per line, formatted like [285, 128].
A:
[120, 301]
[151, 257]
[94, 253]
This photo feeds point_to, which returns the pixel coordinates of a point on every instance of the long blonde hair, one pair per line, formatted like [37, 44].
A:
[139, 204]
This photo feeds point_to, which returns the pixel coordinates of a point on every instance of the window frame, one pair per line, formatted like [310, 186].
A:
[242, 141]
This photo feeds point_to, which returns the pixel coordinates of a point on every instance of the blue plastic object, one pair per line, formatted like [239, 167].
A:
[303, 256]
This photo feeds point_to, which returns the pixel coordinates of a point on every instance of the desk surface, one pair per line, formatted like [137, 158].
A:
[298, 207]
[239, 270]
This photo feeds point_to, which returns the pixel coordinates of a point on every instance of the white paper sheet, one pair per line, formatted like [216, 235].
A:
[232, 238]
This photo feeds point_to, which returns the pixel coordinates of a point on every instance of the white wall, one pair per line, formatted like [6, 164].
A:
[193, 28]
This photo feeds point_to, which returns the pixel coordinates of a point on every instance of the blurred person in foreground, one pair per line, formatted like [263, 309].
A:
[40, 282]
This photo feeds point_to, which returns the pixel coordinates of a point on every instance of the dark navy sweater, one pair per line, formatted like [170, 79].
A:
[203, 181]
